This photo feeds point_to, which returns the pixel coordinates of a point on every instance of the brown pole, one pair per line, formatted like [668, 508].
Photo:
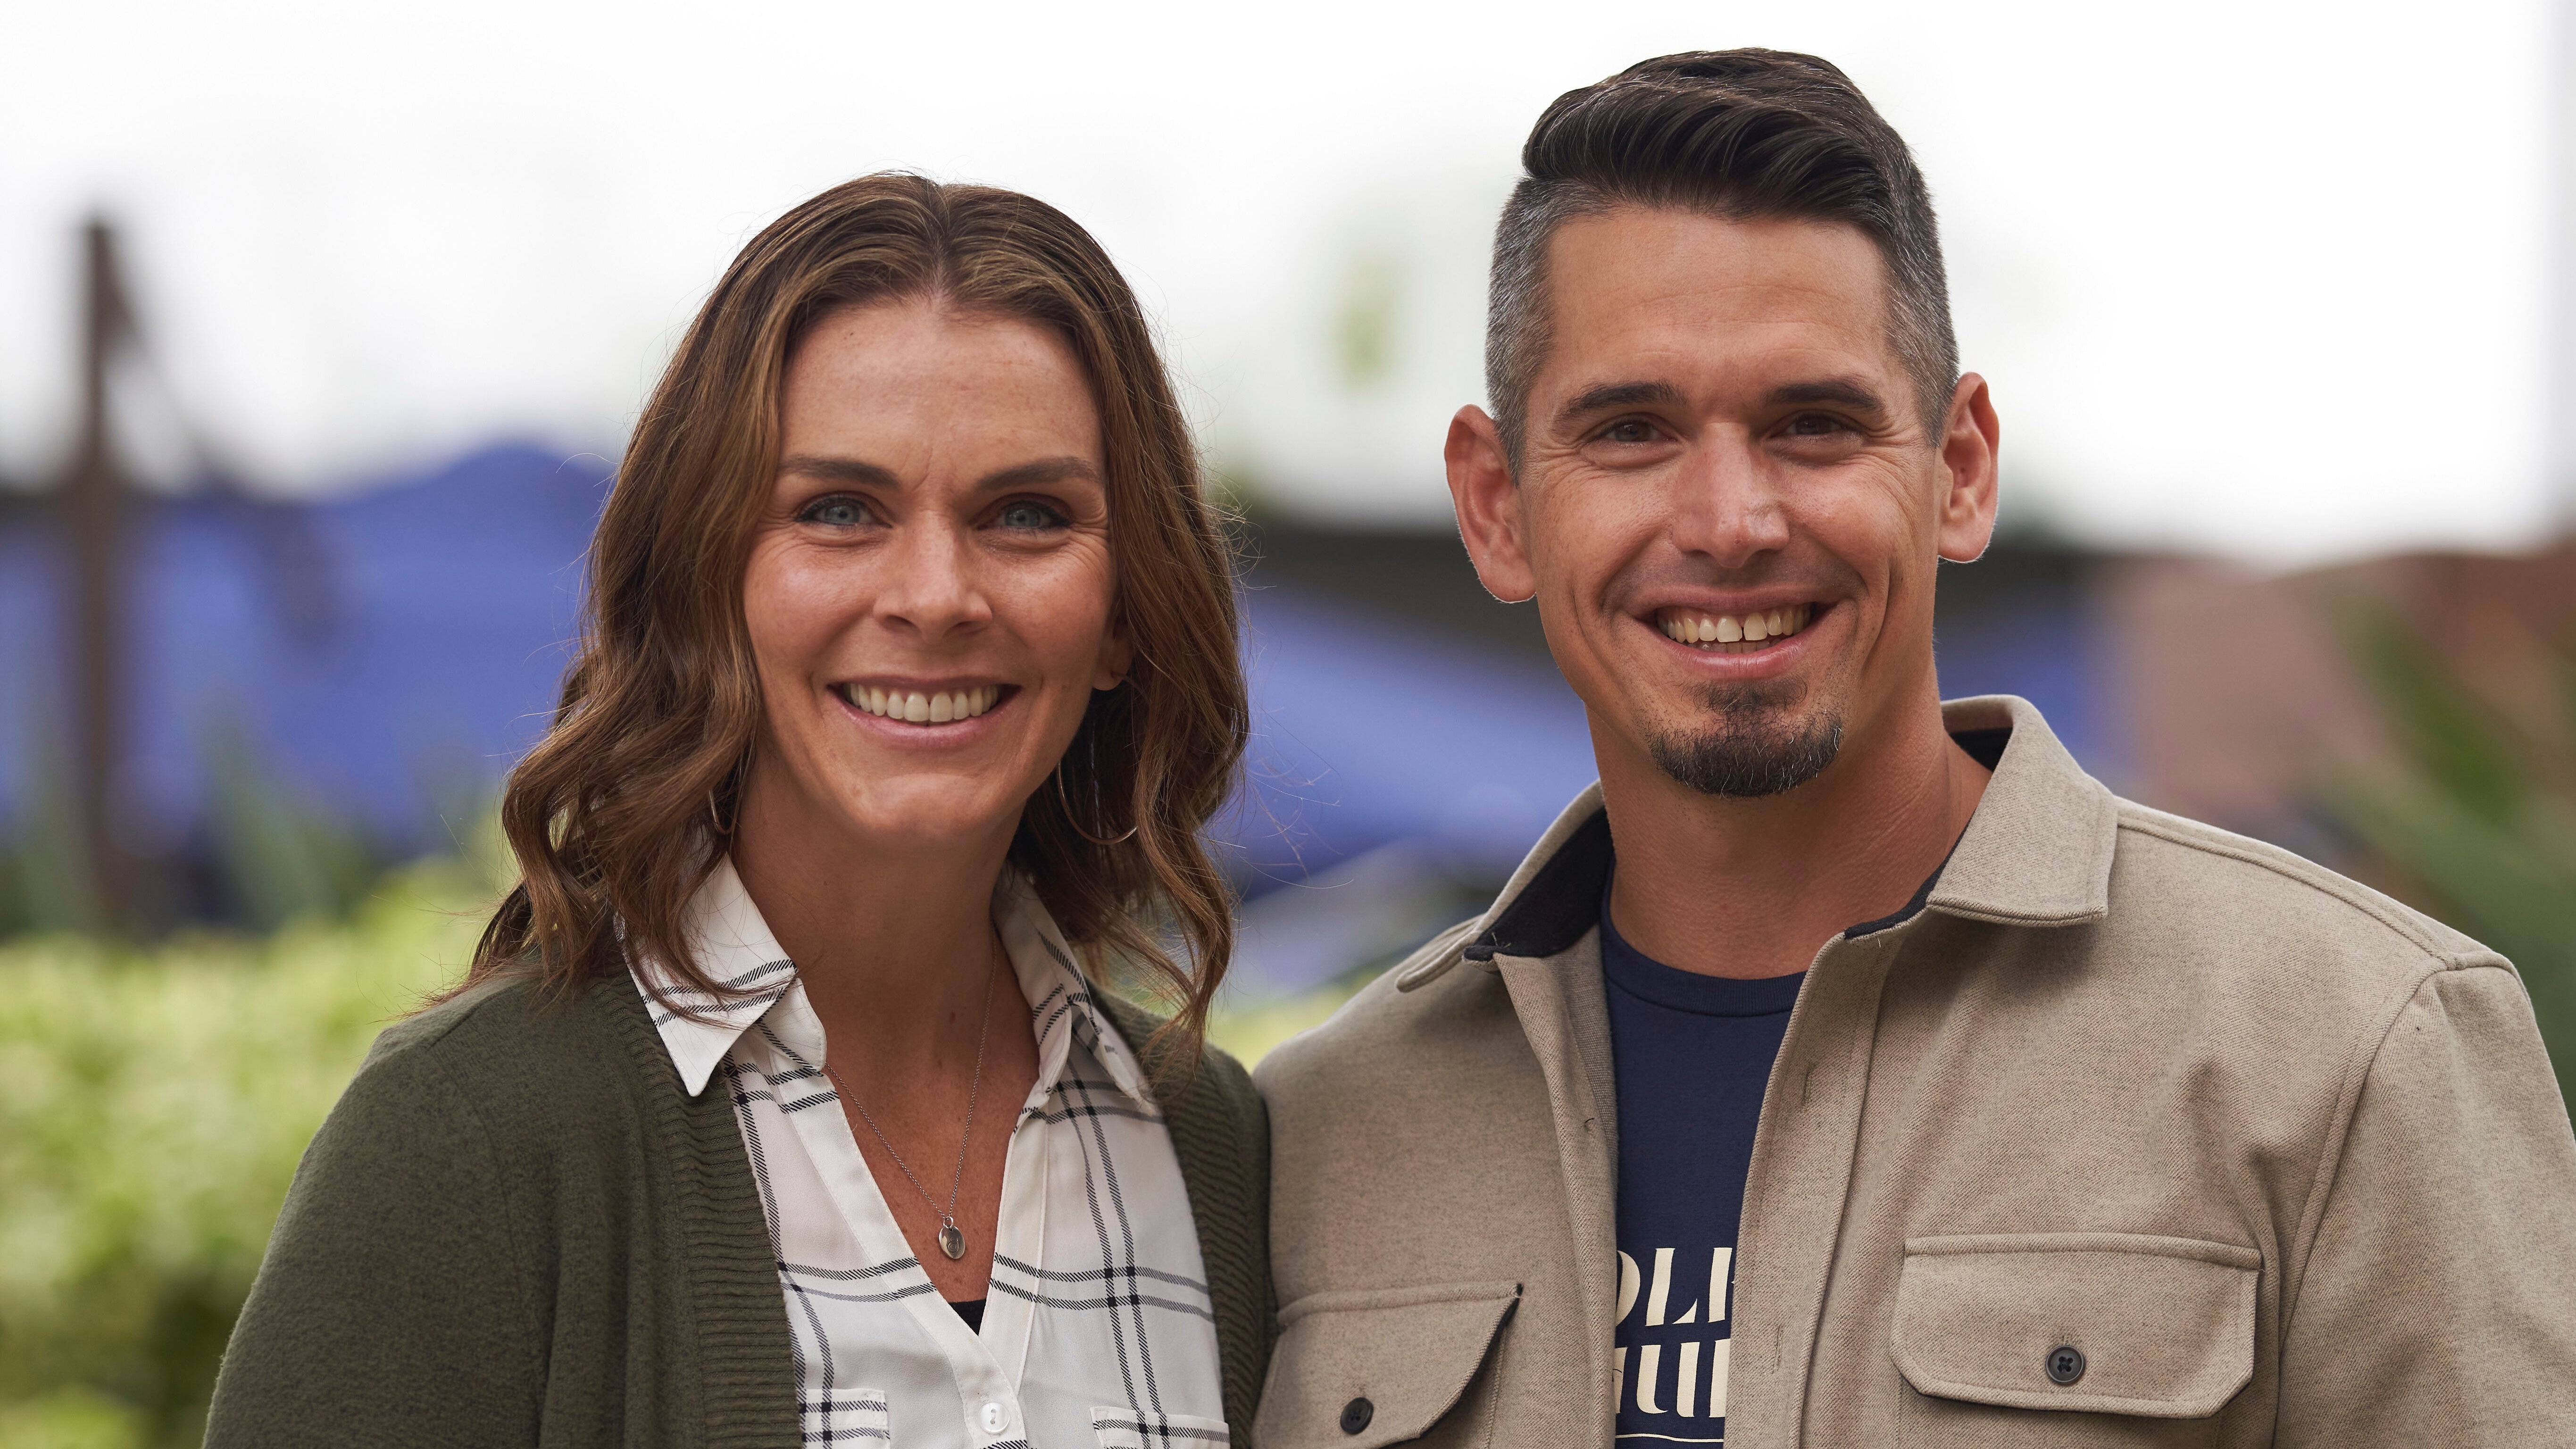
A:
[93, 501]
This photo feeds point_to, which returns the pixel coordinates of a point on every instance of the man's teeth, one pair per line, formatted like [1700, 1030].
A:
[924, 708]
[1736, 633]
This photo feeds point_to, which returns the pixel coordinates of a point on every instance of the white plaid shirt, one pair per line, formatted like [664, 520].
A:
[1098, 1329]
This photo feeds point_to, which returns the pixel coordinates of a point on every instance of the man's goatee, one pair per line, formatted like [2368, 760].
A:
[1755, 748]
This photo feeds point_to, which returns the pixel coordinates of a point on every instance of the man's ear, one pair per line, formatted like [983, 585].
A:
[1489, 506]
[1965, 517]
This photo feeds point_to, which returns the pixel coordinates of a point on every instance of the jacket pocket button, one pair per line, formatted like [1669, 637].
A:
[1356, 1415]
[2065, 1365]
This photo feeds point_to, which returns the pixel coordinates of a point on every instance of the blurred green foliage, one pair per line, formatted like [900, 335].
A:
[152, 1109]
[2478, 815]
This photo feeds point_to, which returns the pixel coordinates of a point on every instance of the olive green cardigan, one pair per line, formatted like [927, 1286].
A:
[516, 1229]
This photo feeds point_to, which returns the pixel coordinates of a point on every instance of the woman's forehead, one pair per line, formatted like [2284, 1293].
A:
[922, 391]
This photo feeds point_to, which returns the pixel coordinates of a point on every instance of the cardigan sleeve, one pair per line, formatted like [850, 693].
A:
[393, 1307]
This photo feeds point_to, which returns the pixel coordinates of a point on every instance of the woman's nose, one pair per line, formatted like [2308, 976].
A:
[930, 581]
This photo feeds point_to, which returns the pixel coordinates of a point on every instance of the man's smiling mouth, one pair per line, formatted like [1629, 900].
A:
[918, 707]
[1733, 633]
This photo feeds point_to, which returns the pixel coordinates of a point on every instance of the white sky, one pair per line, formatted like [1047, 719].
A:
[2263, 279]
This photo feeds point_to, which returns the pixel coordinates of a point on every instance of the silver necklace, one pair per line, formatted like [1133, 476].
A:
[952, 1241]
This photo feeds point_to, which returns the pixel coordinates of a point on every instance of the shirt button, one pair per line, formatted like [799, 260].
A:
[996, 1418]
[1356, 1415]
[2065, 1364]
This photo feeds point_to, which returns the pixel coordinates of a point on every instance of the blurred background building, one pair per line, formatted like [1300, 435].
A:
[320, 329]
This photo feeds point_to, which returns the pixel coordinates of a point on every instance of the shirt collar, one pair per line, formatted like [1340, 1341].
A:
[734, 947]
[1061, 1009]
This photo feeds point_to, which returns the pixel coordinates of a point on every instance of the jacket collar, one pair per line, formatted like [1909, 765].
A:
[2036, 853]
[2038, 850]
[735, 948]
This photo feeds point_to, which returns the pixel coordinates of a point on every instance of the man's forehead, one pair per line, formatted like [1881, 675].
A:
[1702, 290]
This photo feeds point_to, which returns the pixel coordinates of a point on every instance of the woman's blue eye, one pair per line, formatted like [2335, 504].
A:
[1029, 515]
[836, 512]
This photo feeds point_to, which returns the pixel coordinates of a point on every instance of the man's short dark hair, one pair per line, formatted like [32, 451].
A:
[1737, 134]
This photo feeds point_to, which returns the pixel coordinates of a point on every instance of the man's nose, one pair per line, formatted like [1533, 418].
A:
[931, 580]
[1728, 507]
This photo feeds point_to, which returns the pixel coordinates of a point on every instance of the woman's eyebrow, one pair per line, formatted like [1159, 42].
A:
[839, 470]
[1023, 475]
[1039, 474]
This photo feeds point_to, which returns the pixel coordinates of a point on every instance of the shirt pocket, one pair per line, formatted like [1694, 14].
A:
[1113, 1427]
[1369, 1367]
[856, 1417]
[2028, 1339]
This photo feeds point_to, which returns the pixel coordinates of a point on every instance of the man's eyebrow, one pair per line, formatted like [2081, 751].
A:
[1839, 391]
[1617, 395]
[838, 470]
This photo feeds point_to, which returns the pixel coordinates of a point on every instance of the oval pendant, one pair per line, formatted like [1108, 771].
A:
[951, 1241]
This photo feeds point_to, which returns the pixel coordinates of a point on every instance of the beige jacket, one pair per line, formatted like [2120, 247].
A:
[2283, 1159]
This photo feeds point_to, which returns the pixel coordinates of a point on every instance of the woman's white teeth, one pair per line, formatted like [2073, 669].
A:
[1706, 631]
[916, 708]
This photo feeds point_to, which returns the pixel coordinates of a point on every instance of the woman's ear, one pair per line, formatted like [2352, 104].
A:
[1117, 656]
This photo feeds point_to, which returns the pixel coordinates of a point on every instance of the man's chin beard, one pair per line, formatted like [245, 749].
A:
[1757, 745]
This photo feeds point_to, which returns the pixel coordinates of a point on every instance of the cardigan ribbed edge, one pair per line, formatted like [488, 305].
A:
[1221, 1133]
[745, 1352]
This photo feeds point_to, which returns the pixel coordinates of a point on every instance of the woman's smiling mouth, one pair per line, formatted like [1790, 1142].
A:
[915, 706]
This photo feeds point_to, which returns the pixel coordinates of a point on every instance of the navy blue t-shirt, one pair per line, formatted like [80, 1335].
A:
[1693, 1054]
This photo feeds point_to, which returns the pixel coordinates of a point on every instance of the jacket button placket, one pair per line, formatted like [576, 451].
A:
[1803, 1153]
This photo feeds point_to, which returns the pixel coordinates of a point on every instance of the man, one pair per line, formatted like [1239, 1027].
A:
[2052, 1120]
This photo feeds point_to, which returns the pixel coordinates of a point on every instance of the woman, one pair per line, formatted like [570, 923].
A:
[779, 1102]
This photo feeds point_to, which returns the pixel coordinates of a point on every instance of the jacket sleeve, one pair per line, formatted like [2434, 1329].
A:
[2438, 1304]
[392, 1308]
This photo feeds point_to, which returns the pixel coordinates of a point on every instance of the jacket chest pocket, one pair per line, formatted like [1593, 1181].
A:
[1370, 1367]
[2014, 1341]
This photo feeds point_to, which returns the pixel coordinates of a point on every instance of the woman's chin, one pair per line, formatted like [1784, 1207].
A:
[932, 815]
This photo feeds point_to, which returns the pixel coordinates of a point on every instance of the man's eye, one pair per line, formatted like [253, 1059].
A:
[838, 511]
[1816, 425]
[1629, 430]
[1030, 514]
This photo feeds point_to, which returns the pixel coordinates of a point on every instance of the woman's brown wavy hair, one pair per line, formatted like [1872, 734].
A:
[617, 816]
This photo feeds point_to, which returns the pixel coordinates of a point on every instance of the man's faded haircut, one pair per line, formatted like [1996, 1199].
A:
[1742, 135]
